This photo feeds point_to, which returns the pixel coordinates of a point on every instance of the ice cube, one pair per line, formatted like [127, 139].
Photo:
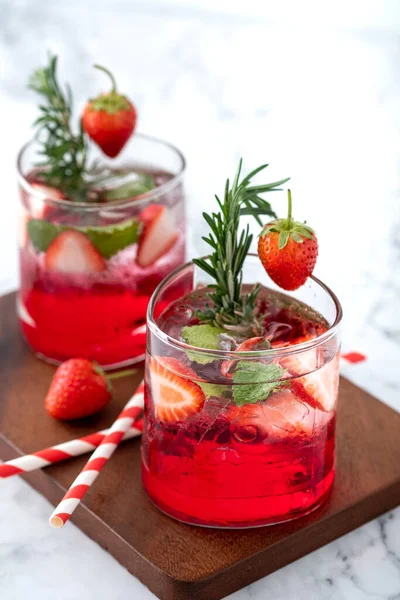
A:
[281, 416]
[245, 433]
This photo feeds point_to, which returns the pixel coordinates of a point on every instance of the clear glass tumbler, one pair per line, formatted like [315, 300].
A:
[88, 269]
[213, 456]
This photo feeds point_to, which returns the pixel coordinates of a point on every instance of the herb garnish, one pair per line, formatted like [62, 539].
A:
[255, 381]
[231, 309]
[63, 150]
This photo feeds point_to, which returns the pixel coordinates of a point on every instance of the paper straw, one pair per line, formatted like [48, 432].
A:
[64, 451]
[98, 459]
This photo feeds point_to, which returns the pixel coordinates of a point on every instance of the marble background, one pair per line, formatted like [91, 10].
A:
[313, 90]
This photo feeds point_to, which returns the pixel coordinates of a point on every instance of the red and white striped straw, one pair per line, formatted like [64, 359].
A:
[54, 454]
[98, 459]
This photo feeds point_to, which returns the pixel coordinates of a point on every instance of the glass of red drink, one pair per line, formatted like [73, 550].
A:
[241, 434]
[89, 266]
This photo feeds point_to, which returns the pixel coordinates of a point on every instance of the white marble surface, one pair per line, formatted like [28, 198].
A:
[313, 91]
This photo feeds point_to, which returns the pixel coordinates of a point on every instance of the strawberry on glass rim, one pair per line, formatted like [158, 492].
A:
[288, 250]
[109, 119]
[99, 228]
[242, 378]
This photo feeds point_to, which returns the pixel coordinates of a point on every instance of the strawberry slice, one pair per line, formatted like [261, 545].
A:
[73, 252]
[293, 342]
[318, 388]
[23, 237]
[158, 234]
[38, 208]
[175, 398]
[254, 343]
[174, 364]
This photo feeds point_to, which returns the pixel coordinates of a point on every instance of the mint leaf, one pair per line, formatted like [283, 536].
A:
[254, 381]
[108, 240]
[41, 234]
[202, 336]
[112, 238]
[213, 389]
[130, 189]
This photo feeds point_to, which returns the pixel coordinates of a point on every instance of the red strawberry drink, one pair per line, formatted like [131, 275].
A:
[95, 240]
[240, 412]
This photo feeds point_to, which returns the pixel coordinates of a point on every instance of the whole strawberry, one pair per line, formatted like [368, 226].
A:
[79, 388]
[109, 119]
[288, 250]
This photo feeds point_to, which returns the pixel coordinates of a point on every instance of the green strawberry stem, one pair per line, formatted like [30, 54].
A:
[289, 218]
[120, 374]
[111, 76]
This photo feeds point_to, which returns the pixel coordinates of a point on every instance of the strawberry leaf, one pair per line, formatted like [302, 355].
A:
[110, 103]
[297, 238]
[283, 239]
[305, 231]
[255, 381]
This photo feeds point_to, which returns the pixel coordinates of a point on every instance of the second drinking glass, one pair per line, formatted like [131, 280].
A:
[88, 268]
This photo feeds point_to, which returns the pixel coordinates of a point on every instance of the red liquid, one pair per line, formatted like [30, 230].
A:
[102, 319]
[224, 480]
[224, 467]
[102, 323]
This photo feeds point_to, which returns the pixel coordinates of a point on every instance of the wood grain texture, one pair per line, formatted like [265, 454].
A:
[176, 561]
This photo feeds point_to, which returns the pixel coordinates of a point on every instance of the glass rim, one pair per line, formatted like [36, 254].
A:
[247, 354]
[152, 194]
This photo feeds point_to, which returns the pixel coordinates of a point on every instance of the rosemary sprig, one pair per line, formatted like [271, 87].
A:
[63, 151]
[231, 309]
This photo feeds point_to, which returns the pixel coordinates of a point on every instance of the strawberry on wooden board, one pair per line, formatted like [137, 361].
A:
[79, 388]
[288, 251]
[158, 234]
[175, 398]
[72, 252]
[110, 119]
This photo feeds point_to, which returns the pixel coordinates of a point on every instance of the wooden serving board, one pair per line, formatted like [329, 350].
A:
[176, 561]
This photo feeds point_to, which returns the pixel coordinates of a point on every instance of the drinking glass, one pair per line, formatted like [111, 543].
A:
[231, 463]
[86, 272]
